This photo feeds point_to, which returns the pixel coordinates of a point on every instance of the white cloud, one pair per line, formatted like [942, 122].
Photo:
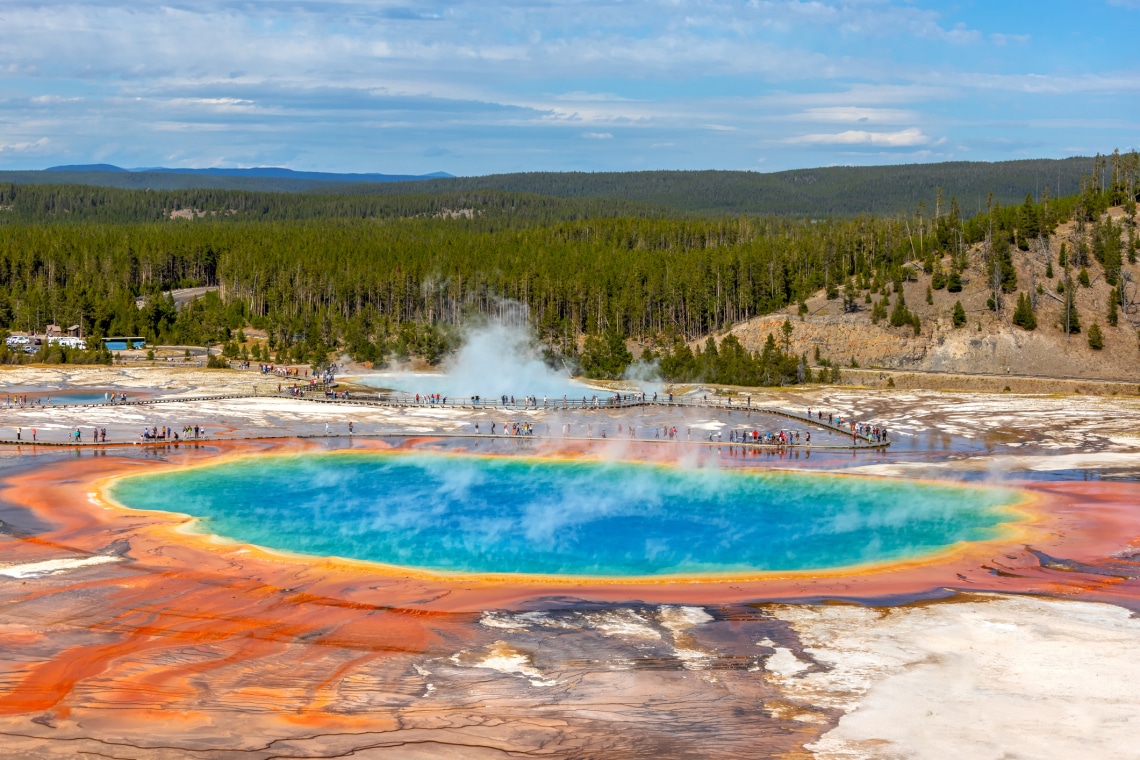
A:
[904, 139]
[591, 97]
[1006, 39]
[46, 100]
[1048, 84]
[878, 19]
[311, 83]
[856, 115]
[33, 146]
[959, 35]
[195, 126]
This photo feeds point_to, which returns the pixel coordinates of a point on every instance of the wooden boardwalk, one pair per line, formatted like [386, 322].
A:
[316, 394]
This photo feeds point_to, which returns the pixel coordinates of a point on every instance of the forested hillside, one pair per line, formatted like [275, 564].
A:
[394, 285]
[833, 191]
[83, 203]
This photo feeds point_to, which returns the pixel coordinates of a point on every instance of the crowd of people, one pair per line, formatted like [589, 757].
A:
[22, 400]
[148, 435]
[272, 369]
[865, 432]
[869, 433]
[189, 432]
[302, 391]
[770, 438]
[754, 437]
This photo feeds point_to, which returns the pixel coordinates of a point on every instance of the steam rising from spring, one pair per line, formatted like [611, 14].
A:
[498, 357]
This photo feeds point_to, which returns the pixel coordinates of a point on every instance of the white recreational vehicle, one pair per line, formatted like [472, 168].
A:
[69, 341]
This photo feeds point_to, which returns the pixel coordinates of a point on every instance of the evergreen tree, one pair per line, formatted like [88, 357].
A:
[786, 329]
[1113, 313]
[1113, 255]
[879, 311]
[900, 315]
[938, 279]
[606, 355]
[1023, 315]
[1029, 224]
[1096, 340]
[959, 316]
[1070, 319]
[954, 283]
[1002, 262]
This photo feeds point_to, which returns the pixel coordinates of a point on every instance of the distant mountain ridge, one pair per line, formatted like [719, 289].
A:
[273, 172]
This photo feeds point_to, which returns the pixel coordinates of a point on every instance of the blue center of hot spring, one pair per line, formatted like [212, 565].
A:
[504, 515]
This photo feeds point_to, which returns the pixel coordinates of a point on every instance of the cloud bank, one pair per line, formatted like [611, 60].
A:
[353, 85]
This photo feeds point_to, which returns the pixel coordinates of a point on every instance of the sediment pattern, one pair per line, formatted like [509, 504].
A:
[123, 637]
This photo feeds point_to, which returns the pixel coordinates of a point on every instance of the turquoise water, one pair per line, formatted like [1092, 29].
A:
[506, 515]
[76, 397]
[66, 396]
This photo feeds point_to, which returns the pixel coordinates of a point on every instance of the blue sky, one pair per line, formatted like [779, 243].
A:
[513, 85]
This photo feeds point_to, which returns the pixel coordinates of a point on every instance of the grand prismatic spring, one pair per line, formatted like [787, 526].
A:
[492, 515]
[283, 587]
